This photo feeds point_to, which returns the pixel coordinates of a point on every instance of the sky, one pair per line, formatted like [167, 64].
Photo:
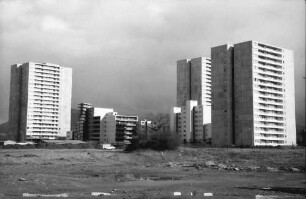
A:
[123, 52]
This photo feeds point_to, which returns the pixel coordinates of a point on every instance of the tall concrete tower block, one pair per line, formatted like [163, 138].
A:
[261, 97]
[193, 108]
[40, 101]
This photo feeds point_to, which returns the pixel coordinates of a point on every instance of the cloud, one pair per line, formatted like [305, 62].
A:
[123, 53]
[50, 23]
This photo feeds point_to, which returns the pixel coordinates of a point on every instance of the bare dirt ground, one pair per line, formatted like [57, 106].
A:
[226, 173]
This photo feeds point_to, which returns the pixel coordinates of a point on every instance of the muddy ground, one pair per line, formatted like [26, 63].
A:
[226, 173]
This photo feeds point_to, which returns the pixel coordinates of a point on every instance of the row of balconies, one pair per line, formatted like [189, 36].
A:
[50, 67]
[47, 72]
[268, 60]
[268, 138]
[42, 77]
[269, 48]
[271, 76]
[40, 121]
[45, 129]
[268, 84]
[268, 69]
[269, 114]
[40, 105]
[51, 96]
[265, 78]
[268, 107]
[50, 82]
[268, 95]
[268, 102]
[45, 90]
[44, 110]
[268, 126]
[44, 86]
[274, 89]
[270, 52]
[270, 132]
[43, 82]
[43, 114]
[270, 91]
[261, 119]
[268, 56]
[275, 67]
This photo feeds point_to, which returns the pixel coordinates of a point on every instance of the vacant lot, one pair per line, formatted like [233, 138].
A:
[226, 173]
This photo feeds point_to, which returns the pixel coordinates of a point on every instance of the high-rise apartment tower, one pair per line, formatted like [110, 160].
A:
[193, 100]
[252, 95]
[40, 101]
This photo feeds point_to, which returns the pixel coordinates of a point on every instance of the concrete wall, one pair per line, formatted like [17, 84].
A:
[243, 94]
[108, 129]
[222, 95]
[14, 106]
[183, 82]
[18, 101]
[196, 80]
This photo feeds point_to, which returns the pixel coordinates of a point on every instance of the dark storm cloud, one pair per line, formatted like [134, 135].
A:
[123, 53]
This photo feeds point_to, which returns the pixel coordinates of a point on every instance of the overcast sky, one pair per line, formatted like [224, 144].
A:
[124, 52]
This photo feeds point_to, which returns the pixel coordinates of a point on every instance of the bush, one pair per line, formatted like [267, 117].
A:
[162, 142]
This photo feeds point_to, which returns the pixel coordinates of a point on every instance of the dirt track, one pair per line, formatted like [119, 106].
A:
[144, 174]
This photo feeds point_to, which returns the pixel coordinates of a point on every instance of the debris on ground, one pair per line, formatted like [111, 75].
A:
[295, 169]
[100, 194]
[208, 194]
[63, 195]
[271, 169]
[177, 193]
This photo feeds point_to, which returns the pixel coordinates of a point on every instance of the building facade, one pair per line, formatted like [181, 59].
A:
[252, 95]
[40, 101]
[95, 121]
[118, 129]
[193, 108]
[81, 127]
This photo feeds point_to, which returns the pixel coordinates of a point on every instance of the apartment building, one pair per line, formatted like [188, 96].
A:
[81, 127]
[40, 101]
[252, 95]
[118, 129]
[193, 108]
[95, 121]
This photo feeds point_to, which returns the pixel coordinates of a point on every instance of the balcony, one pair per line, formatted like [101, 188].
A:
[268, 84]
[268, 102]
[265, 78]
[262, 119]
[270, 132]
[268, 138]
[268, 126]
[267, 90]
